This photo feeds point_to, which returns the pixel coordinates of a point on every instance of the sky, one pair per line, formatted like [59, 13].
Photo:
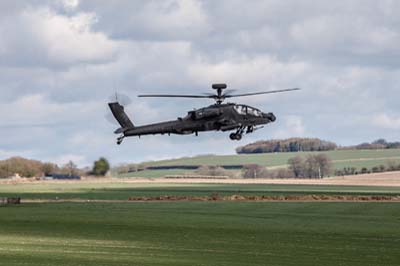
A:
[61, 60]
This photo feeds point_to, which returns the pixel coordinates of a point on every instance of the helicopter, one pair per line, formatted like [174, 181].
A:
[219, 116]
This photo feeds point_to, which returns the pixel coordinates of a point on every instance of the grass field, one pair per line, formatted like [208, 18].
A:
[200, 233]
[340, 158]
[122, 191]
[278, 159]
[196, 233]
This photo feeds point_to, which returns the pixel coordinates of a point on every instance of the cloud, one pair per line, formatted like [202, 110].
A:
[61, 60]
[70, 4]
[293, 126]
[386, 121]
[250, 73]
[37, 110]
[75, 158]
[5, 154]
[151, 20]
[54, 40]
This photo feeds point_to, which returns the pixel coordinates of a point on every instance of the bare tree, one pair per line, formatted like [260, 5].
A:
[255, 171]
[70, 169]
[317, 166]
[296, 164]
[324, 165]
[311, 167]
[211, 170]
[49, 168]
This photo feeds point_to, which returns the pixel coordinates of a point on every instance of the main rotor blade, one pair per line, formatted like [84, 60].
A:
[176, 96]
[229, 92]
[258, 93]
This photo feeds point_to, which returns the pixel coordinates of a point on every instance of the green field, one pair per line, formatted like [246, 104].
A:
[340, 158]
[200, 233]
[196, 233]
[122, 191]
[279, 159]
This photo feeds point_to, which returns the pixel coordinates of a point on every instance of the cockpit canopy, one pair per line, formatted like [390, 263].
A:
[247, 110]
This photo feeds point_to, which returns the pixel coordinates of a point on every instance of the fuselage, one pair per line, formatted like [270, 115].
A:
[222, 117]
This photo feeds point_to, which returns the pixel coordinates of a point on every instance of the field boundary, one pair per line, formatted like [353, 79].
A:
[386, 179]
[231, 198]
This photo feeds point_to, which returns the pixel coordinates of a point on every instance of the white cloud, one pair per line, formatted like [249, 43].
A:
[70, 4]
[293, 127]
[79, 160]
[152, 20]
[5, 154]
[60, 60]
[168, 16]
[263, 72]
[36, 109]
[386, 121]
[41, 37]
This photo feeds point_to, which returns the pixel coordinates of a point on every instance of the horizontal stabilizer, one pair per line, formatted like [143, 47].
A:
[119, 131]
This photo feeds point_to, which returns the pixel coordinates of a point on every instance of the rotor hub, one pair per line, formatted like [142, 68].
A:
[219, 98]
[219, 86]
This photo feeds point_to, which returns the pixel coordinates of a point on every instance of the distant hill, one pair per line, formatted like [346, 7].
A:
[375, 145]
[287, 145]
[340, 159]
[310, 144]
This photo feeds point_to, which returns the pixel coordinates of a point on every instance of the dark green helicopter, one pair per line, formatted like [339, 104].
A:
[225, 117]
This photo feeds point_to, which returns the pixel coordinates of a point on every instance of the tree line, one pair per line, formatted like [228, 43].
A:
[287, 145]
[390, 166]
[33, 168]
[378, 144]
[310, 144]
[313, 166]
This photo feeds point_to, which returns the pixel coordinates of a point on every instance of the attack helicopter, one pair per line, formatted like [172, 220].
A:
[219, 116]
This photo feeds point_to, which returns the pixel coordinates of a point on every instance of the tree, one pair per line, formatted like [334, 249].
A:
[296, 165]
[70, 169]
[314, 166]
[311, 167]
[324, 165]
[211, 170]
[382, 142]
[255, 171]
[101, 167]
[49, 168]
[287, 145]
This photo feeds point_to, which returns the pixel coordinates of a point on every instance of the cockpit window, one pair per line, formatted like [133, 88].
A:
[240, 109]
[253, 111]
[243, 110]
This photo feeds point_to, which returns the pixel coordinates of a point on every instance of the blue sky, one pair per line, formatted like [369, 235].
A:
[61, 60]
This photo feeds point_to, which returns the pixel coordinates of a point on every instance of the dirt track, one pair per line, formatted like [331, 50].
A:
[388, 179]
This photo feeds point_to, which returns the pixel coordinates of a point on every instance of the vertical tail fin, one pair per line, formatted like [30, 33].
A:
[122, 118]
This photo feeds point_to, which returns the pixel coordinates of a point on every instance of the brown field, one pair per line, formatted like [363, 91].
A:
[173, 198]
[388, 179]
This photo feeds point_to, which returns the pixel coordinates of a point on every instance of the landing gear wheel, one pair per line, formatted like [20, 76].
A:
[235, 136]
[119, 140]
